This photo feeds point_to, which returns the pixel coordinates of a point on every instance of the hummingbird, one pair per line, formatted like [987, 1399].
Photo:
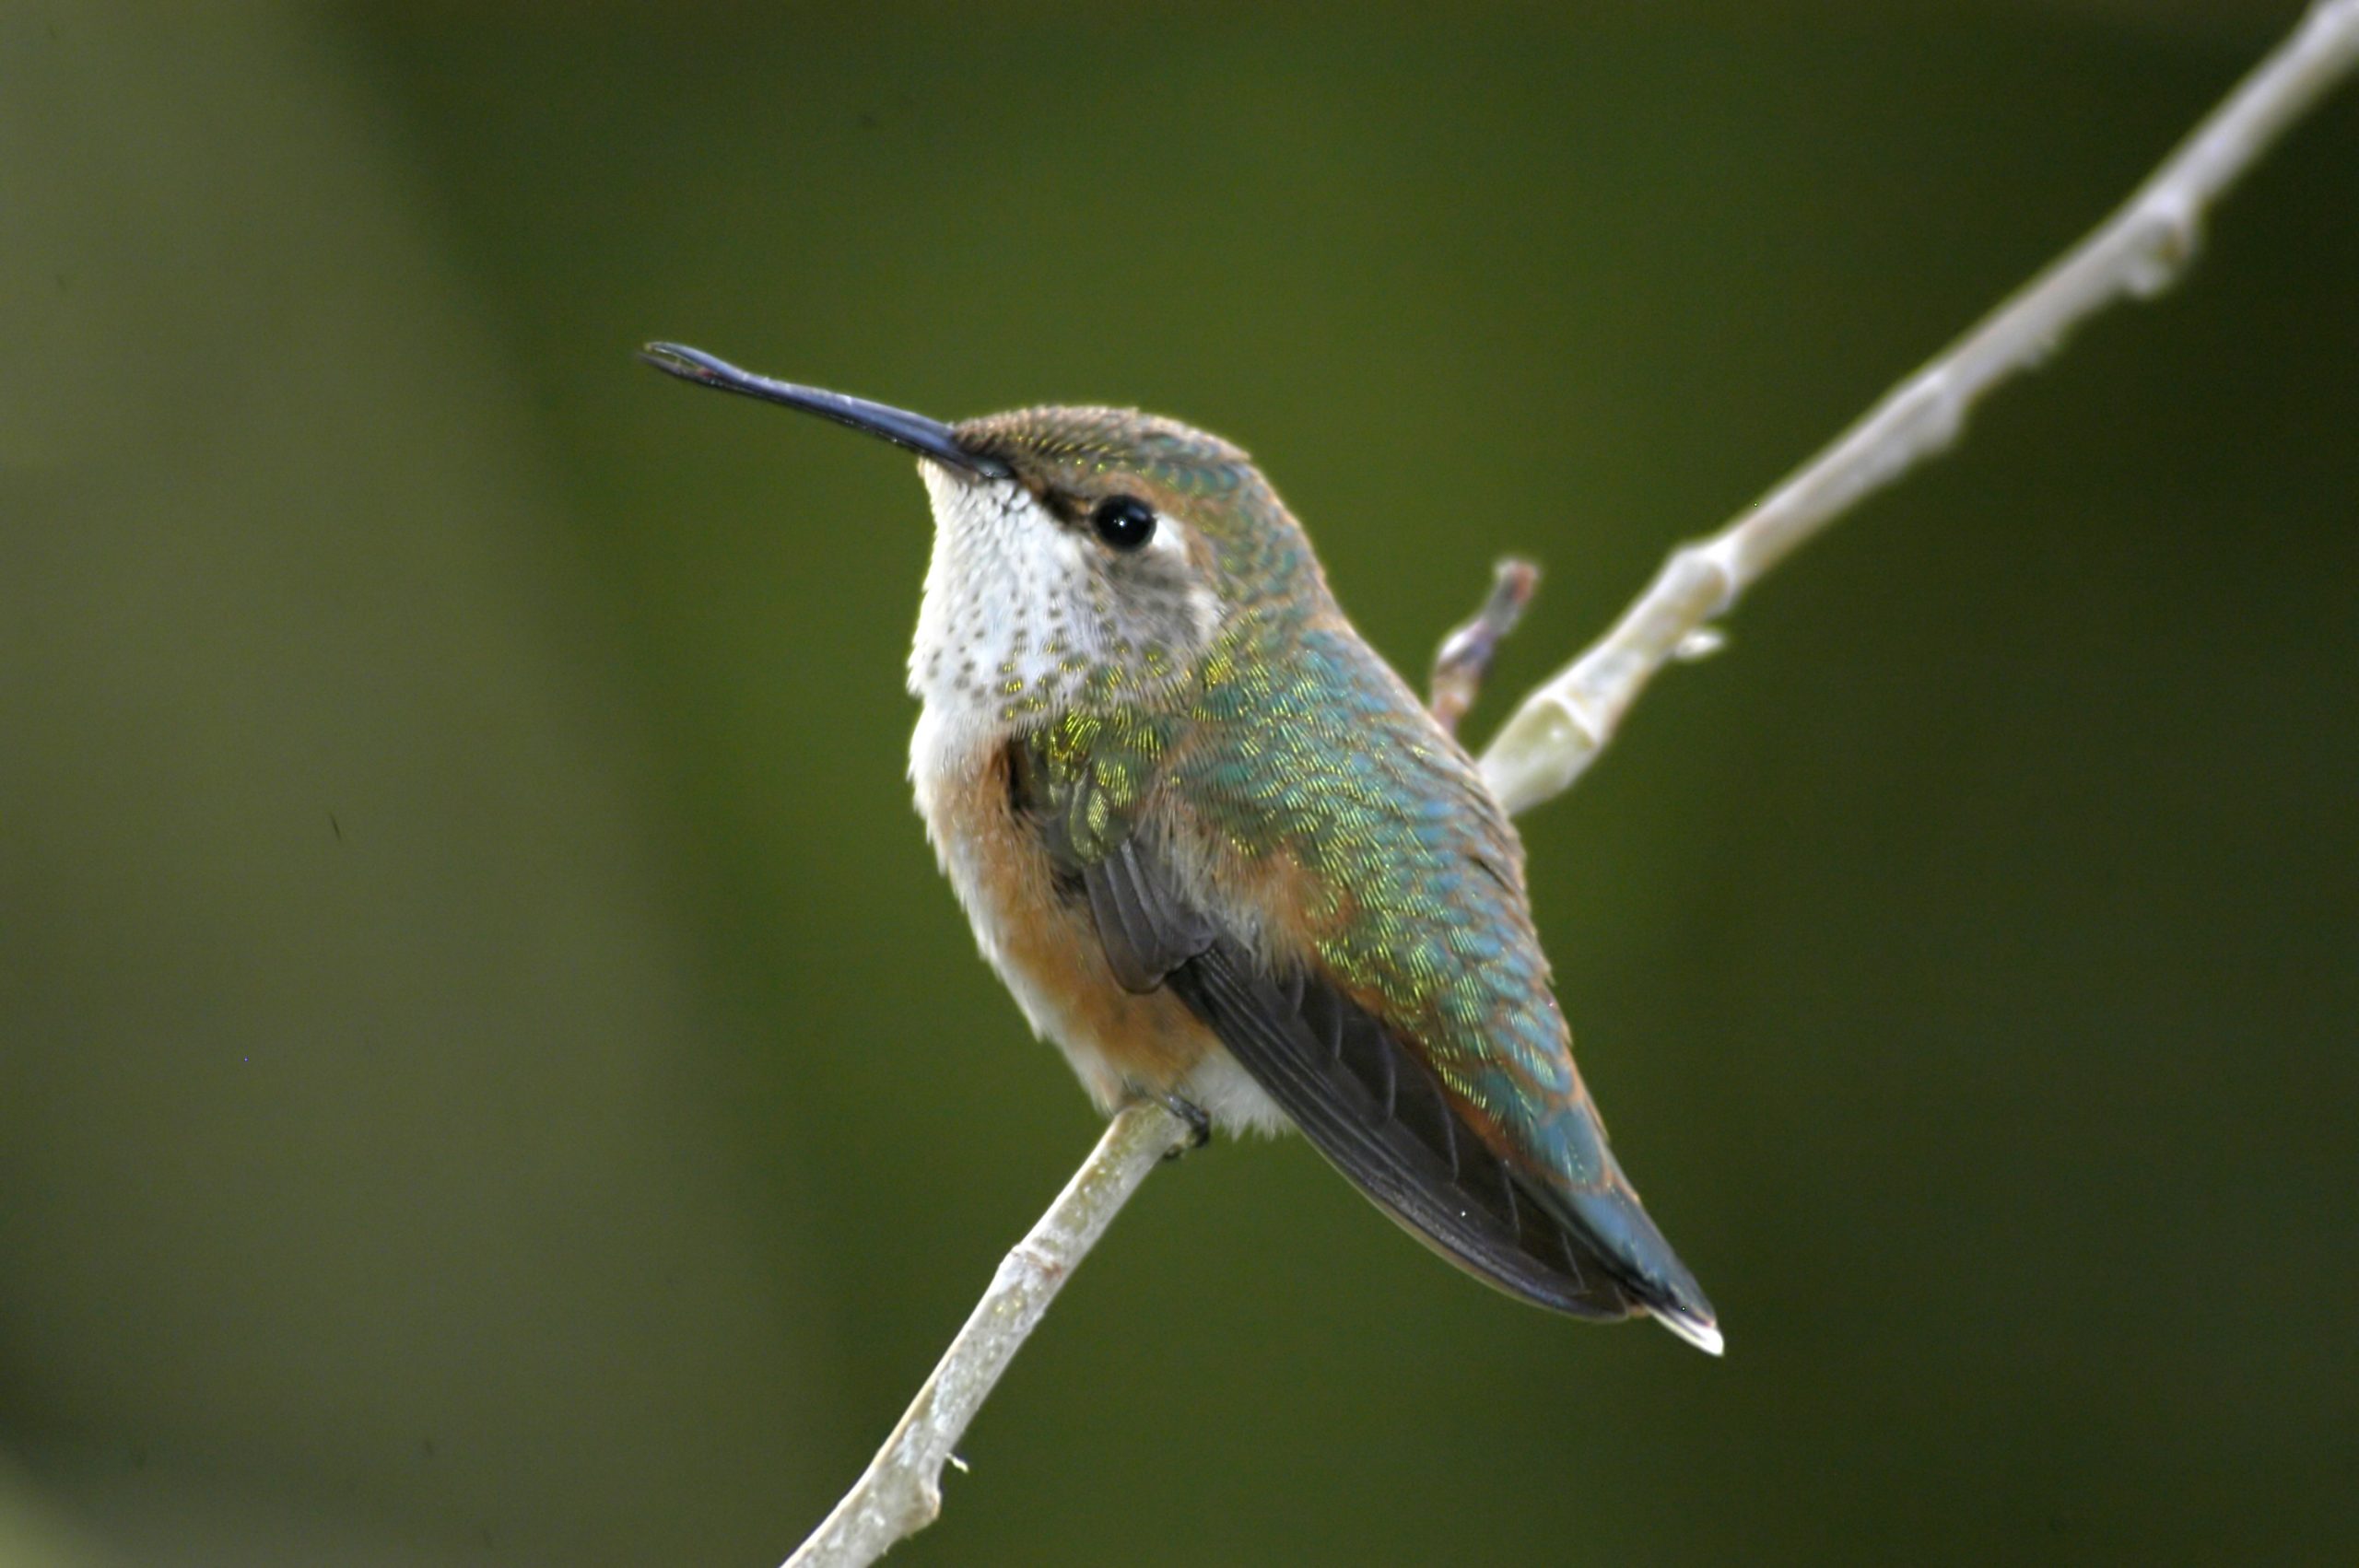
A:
[1222, 854]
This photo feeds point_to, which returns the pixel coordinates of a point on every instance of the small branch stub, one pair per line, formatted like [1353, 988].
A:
[1466, 653]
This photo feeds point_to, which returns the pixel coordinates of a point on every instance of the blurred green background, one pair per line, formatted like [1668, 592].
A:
[488, 1072]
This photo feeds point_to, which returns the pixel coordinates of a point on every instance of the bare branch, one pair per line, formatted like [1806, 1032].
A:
[2138, 253]
[900, 1492]
[1560, 727]
[1466, 653]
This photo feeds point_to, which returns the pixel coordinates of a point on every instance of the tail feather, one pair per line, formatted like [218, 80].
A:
[1607, 1224]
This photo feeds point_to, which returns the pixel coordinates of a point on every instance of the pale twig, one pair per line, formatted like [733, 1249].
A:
[901, 1489]
[1560, 727]
[1465, 654]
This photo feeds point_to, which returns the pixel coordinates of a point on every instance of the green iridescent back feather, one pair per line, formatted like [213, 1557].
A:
[1289, 738]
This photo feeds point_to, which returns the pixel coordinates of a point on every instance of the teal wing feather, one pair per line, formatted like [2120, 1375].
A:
[1420, 1048]
[1327, 758]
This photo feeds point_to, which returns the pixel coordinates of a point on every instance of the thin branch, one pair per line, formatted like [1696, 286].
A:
[900, 1492]
[1560, 727]
[1466, 653]
[2138, 253]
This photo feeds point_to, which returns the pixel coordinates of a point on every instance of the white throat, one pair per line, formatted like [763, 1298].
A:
[1010, 621]
[996, 641]
[1020, 606]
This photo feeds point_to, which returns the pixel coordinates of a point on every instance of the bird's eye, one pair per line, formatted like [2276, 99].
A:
[1125, 522]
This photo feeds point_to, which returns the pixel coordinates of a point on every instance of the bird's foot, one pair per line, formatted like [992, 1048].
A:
[1199, 1126]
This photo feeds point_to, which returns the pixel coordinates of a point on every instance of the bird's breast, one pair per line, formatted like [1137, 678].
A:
[1034, 926]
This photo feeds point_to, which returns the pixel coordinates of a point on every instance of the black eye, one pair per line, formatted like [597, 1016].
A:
[1125, 522]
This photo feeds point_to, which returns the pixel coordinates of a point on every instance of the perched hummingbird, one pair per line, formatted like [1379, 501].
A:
[1223, 855]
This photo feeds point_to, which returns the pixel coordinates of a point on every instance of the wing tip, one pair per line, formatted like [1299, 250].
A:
[1701, 1332]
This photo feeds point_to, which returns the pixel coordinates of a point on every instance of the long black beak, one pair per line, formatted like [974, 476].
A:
[927, 437]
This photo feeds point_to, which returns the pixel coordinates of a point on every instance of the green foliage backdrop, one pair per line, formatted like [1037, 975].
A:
[488, 1072]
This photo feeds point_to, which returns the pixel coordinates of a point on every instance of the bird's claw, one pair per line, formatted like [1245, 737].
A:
[1199, 1126]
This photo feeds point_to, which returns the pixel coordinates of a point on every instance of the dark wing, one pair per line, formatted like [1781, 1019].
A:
[1144, 928]
[1378, 1115]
